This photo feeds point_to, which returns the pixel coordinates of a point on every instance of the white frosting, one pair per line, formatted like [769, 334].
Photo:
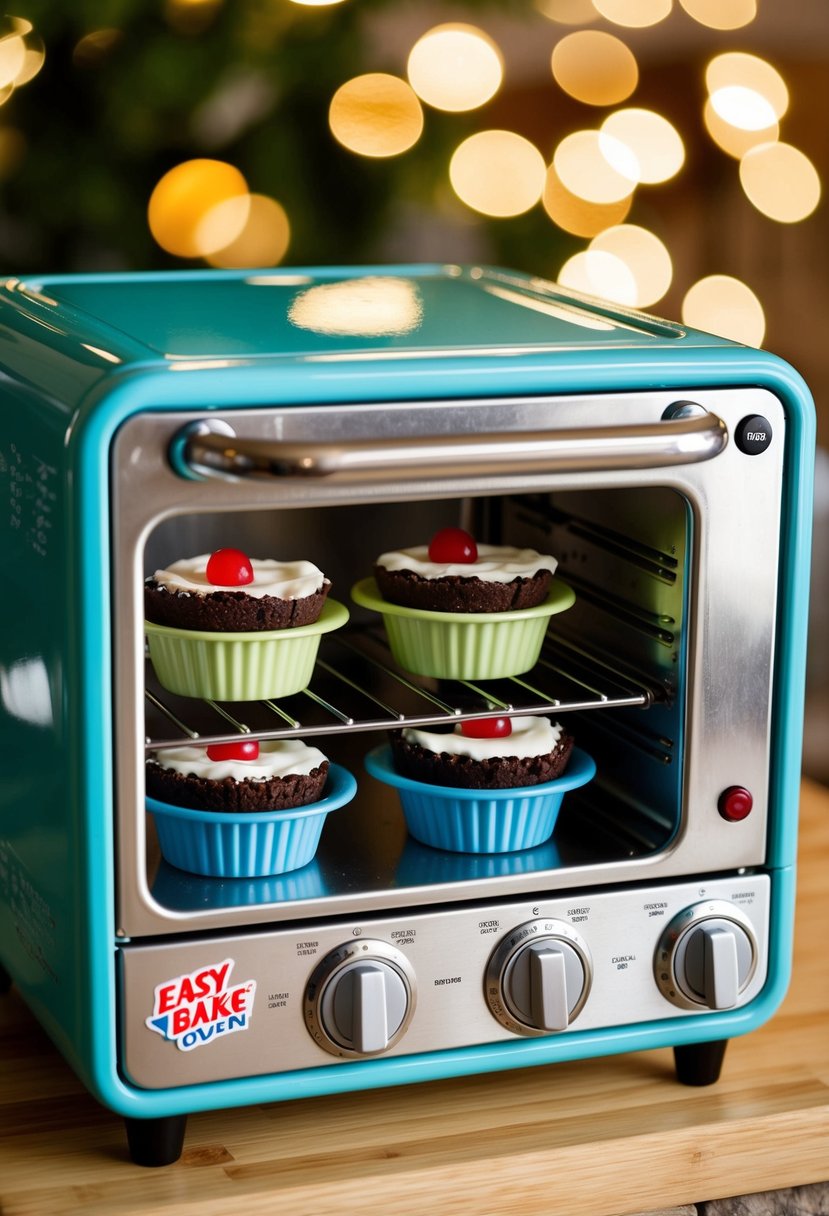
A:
[530, 737]
[285, 580]
[495, 564]
[277, 758]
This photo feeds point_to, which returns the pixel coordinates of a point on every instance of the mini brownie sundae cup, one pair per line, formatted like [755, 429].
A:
[491, 785]
[456, 610]
[227, 627]
[243, 809]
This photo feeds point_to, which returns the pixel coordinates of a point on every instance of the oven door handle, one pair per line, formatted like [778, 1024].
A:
[686, 434]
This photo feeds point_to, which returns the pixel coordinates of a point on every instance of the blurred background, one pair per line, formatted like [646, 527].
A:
[667, 154]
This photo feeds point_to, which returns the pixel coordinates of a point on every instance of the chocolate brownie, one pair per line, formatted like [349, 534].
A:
[460, 594]
[278, 774]
[457, 768]
[454, 574]
[229, 611]
[201, 794]
[229, 592]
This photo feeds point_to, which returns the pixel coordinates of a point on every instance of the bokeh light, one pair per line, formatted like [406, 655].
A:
[595, 67]
[455, 67]
[734, 140]
[35, 56]
[316, 3]
[720, 304]
[743, 108]
[645, 256]
[721, 14]
[577, 215]
[368, 307]
[568, 12]
[655, 143]
[582, 163]
[185, 197]
[221, 225]
[12, 58]
[498, 173]
[263, 240]
[599, 274]
[636, 14]
[781, 182]
[376, 115]
[739, 69]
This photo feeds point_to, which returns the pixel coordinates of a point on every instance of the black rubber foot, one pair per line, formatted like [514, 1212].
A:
[156, 1141]
[700, 1063]
[5, 980]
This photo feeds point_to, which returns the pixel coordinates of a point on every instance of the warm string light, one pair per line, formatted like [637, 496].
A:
[22, 54]
[203, 209]
[376, 115]
[455, 68]
[498, 173]
[635, 14]
[721, 14]
[595, 67]
[726, 306]
[747, 99]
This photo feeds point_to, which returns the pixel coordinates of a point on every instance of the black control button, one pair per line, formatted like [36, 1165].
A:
[753, 435]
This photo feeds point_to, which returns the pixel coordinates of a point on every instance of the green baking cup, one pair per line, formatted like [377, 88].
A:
[464, 645]
[239, 666]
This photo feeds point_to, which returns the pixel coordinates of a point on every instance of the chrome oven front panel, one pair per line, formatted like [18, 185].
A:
[446, 955]
[723, 681]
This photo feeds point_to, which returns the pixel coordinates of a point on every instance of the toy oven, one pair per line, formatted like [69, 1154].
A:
[150, 418]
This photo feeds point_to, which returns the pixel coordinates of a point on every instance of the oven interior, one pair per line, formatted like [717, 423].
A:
[612, 664]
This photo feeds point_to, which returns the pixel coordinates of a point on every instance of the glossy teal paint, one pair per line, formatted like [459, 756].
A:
[79, 356]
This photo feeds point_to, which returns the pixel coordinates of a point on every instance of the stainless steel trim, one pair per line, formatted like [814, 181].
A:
[683, 438]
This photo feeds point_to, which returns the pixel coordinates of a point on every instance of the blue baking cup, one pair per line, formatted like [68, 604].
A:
[223, 845]
[481, 821]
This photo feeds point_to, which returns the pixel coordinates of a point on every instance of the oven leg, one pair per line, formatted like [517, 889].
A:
[156, 1141]
[699, 1063]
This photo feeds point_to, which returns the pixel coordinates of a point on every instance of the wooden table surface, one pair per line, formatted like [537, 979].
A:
[592, 1138]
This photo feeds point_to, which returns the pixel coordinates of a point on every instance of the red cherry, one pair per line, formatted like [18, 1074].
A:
[487, 728]
[245, 749]
[452, 545]
[229, 568]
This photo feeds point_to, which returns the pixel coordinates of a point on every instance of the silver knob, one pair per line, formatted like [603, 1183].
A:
[706, 956]
[360, 998]
[538, 978]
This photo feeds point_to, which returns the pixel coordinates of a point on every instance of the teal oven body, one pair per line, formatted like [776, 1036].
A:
[333, 415]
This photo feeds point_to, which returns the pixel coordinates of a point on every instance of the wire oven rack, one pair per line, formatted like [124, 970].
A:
[356, 687]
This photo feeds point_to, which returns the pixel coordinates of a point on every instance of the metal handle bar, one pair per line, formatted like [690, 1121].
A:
[205, 450]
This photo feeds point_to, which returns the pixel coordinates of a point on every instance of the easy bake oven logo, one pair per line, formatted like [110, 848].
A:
[194, 1009]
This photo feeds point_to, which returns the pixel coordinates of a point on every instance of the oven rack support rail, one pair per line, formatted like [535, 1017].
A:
[385, 698]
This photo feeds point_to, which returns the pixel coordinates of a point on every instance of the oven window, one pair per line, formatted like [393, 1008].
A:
[609, 672]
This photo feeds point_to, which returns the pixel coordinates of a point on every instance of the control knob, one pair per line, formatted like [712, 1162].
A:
[706, 956]
[360, 998]
[538, 977]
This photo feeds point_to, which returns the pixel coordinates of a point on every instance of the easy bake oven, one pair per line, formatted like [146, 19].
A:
[332, 416]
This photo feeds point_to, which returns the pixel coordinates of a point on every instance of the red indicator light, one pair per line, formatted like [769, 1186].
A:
[735, 803]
